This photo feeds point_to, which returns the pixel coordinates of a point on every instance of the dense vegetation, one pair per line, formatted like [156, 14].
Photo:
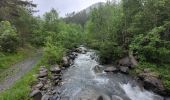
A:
[141, 27]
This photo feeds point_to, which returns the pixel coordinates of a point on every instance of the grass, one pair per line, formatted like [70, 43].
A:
[21, 88]
[8, 59]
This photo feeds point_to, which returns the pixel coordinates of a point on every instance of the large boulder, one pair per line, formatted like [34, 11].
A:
[152, 82]
[125, 62]
[111, 69]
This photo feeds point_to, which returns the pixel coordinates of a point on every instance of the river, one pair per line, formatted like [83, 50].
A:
[81, 82]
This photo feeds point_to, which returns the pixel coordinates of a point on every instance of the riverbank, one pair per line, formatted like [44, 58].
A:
[83, 76]
[21, 88]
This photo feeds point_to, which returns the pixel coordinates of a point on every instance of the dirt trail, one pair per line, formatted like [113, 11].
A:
[18, 70]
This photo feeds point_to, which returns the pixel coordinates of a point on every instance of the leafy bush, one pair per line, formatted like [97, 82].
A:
[110, 51]
[53, 52]
[9, 40]
[150, 47]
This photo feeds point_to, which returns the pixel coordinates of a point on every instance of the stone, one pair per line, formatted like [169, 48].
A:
[43, 79]
[111, 69]
[55, 77]
[36, 94]
[66, 62]
[55, 69]
[39, 86]
[124, 69]
[98, 69]
[152, 82]
[125, 62]
[42, 74]
[115, 97]
[45, 97]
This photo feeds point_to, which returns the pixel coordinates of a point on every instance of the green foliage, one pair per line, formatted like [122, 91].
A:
[109, 51]
[9, 40]
[53, 52]
[103, 29]
[20, 90]
[149, 47]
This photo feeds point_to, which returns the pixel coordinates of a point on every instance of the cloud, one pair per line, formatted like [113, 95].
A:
[63, 6]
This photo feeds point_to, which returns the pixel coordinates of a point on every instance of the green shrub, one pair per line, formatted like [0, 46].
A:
[53, 52]
[150, 47]
[9, 40]
[110, 51]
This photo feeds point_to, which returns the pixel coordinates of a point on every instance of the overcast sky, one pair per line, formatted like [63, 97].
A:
[63, 6]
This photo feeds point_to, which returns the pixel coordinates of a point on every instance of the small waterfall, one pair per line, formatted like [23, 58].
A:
[136, 93]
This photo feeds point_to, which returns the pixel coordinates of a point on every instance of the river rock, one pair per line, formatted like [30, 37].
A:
[98, 69]
[124, 69]
[115, 97]
[36, 94]
[44, 79]
[55, 69]
[152, 82]
[66, 61]
[42, 74]
[111, 69]
[39, 86]
[45, 97]
[125, 62]
[55, 77]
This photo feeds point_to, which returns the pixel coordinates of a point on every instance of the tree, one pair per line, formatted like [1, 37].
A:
[9, 40]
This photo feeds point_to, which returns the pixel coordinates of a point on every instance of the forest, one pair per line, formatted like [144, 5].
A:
[115, 30]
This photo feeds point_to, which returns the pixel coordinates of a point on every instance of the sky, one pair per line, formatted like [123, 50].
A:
[63, 6]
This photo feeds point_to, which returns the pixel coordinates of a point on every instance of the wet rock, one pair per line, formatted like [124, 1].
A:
[36, 95]
[45, 97]
[72, 57]
[124, 69]
[98, 69]
[56, 82]
[79, 50]
[66, 62]
[115, 97]
[44, 79]
[55, 77]
[125, 62]
[152, 82]
[55, 69]
[42, 74]
[74, 54]
[38, 86]
[46, 86]
[111, 69]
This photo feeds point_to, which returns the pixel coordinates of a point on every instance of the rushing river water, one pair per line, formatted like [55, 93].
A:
[80, 82]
